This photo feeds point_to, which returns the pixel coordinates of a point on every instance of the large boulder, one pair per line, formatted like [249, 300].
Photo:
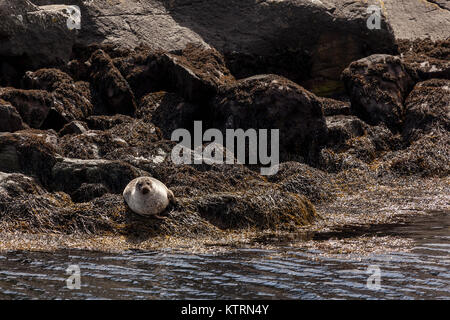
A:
[39, 35]
[273, 102]
[377, 86]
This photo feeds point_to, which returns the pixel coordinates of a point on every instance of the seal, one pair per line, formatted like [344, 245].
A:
[148, 196]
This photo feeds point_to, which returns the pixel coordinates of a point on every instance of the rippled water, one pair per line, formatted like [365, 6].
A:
[281, 273]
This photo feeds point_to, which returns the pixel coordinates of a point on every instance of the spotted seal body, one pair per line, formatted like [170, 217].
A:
[147, 196]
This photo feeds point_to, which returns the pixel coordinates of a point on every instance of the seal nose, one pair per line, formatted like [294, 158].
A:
[145, 190]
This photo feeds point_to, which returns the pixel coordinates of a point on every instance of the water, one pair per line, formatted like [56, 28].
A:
[283, 272]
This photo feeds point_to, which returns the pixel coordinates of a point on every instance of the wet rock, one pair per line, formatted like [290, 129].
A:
[427, 107]
[112, 90]
[273, 102]
[377, 86]
[10, 119]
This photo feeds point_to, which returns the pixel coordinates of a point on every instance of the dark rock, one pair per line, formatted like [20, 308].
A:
[38, 33]
[428, 59]
[114, 92]
[10, 119]
[32, 105]
[273, 102]
[427, 156]
[302, 179]
[69, 175]
[343, 128]
[168, 111]
[195, 72]
[377, 86]
[29, 152]
[333, 107]
[89, 191]
[74, 127]
[427, 107]
[261, 209]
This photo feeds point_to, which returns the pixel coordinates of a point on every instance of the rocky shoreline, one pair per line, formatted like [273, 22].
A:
[82, 118]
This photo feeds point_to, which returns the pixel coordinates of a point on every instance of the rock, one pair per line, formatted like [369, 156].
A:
[302, 179]
[377, 86]
[39, 35]
[427, 156]
[195, 72]
[74, 127]
[168, 111]
[73, 99]
[418, 19]
[29, 152]
[261, 209]
[69, 175]
[273, 102]
[427, 107]
[113, 91]
[32, 105]
[10, 119]
[332, 107]
[429, 59]
[342, 128]
[13, 185]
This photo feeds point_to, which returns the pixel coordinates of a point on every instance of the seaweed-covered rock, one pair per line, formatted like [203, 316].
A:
[273, 102]
[342, 128]
[29, 152]
[10, 119]
[69, 175]
[112, 90]
[302, 179]
[428, 59]
[332, 107]
[427, 107]
[195, 72]
[377, 86]
[73, 127]
[427, 156]
[269, 208]
[32, 105]
[168, 111]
